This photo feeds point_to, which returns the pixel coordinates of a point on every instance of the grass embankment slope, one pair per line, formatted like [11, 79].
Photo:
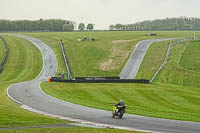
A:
[2, 50]
[183, 69]
[105, 56]
[156, 100]
[25, 63]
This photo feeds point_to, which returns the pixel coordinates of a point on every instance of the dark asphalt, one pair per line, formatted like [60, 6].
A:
[132, 66]
[30, 94]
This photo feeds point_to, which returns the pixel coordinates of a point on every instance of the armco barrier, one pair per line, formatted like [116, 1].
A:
[164, 63]
[6, 54]
[66, 60]
[102, 81]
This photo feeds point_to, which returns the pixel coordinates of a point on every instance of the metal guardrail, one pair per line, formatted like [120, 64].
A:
[168, 54]
[66, 60]
[6, 53]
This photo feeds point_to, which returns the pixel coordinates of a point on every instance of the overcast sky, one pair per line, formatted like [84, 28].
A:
[100, 12]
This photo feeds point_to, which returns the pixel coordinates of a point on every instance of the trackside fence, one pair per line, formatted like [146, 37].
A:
[6, 53]
[66, 60]
[168, 53]
[97, 78]
[143, 81]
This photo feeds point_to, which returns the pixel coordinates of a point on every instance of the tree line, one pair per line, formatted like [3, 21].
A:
[48, 25]
[37, 25]
[181, 23]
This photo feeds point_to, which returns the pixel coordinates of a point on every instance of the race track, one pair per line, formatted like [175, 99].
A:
[30, 96]
[133, 64]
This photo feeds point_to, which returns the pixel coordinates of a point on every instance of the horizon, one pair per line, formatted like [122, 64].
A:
[102, 13]
[76, 28]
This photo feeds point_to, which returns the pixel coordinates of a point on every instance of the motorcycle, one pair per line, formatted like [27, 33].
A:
[118, 111]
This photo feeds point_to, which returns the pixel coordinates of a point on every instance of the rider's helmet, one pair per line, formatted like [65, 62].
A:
[121, 101]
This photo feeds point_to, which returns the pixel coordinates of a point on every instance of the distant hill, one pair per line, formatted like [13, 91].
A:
[181, 23]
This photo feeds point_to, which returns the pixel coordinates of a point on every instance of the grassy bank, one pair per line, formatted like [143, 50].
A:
[106, 56]
[182, 69]
[190, 60]
[103, 57]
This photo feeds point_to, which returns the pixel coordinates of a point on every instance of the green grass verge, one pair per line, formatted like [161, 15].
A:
[191, 58]
[24, 63]
[2, 50]
[182, 69]
[155, 100]
[68, 130]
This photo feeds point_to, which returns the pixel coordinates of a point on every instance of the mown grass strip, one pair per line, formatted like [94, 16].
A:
[155, 100]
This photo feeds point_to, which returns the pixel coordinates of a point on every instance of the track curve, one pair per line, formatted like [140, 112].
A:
[133, 64]
[30, 95]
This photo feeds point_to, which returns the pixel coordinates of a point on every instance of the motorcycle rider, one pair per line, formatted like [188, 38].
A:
[121, 103]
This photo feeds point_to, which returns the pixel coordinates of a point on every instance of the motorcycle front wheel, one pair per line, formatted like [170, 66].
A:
[121, 115]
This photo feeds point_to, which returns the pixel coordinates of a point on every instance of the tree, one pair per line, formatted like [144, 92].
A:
[81, 26]
[118, 26]
[111, 27]
[68, 27]
[90, 27]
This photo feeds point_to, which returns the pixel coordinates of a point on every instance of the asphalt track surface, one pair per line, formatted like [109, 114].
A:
[132, 66]
[31, 97]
